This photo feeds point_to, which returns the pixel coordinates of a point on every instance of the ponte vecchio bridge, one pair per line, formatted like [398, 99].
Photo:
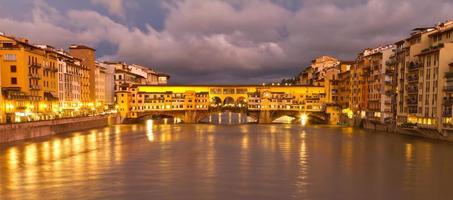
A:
[192, 103]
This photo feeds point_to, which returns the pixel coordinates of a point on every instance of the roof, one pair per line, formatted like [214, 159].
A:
[440, 31]
[163, 74]
[77, 46]
[347, 62]
[422, 28]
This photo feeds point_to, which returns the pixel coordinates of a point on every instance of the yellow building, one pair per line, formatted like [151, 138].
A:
[28, 80]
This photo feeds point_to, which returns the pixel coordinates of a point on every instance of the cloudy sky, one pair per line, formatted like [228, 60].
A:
[220, 41]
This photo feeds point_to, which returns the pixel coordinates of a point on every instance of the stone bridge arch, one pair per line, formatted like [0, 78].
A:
[184, 116]
[269, 116]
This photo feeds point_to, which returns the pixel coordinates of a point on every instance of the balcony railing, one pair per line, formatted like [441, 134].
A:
[389, 93]
[47, 67]
[448, 101]
[413, 66]
[34, 76]
[412, 102]
[389, 71]
[391, 62]
[413, 78]
[412, 90]
[448, 74]
[35, 87]
[35, 65]
[448, 88]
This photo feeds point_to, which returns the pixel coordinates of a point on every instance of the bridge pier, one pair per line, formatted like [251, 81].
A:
[264, 117]
[190, 117]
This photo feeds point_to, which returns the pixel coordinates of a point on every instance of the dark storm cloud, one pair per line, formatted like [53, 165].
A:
[205, 41]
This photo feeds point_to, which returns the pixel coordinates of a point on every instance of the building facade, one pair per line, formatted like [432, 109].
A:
[28, 79]
[424, 62]
[379, 82]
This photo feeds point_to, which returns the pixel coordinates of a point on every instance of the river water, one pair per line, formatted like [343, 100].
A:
[248, 161]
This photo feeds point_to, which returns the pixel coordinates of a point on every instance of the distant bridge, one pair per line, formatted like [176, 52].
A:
[192, 103]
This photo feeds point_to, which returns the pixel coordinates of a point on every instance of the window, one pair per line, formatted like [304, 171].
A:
[14, 80]
[13, 68]
[7, 45]
[9, 57]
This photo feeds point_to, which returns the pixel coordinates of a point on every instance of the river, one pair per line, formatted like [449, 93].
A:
[248, 161]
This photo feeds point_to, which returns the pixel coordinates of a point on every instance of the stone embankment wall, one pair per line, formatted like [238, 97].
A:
[21, 131]
[418, 132]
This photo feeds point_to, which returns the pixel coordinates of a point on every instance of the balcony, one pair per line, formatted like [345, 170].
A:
[35, 87]
[413, 78]
[413, 90]
[448, 88]
[448, 101]
[34, 76]
[392, 61]
[412, 102]
[35, 65]
[413, 66]
[389, 93]
[390, 72]
[448, 75]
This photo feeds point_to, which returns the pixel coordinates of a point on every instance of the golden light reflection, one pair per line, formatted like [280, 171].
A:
[245, 142]
[13, 158]
[302, 177]
[56, 149]
[45, 153]
[303, 119]
[273, 129]
[149, 130]
[409, 152]
[30, 154]
[210, 157]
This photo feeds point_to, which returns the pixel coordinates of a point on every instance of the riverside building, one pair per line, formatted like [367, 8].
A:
[424, 62]
[40, 82]
[29, 81]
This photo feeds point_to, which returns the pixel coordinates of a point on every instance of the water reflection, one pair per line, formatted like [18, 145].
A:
[177, 161]
[149, 130]
[228, 118]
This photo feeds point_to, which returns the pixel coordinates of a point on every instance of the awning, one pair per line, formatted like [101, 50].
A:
[50, 96]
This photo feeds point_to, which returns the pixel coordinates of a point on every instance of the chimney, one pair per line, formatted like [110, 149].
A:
[24, 40]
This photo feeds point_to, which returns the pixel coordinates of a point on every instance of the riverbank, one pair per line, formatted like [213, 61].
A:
[412, 131]
[29, 130]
